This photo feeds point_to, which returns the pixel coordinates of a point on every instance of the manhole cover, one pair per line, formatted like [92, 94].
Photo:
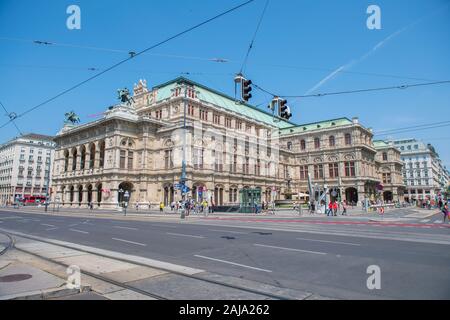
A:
[15, 277]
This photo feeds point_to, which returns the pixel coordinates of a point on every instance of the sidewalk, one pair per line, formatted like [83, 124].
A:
[144, 215]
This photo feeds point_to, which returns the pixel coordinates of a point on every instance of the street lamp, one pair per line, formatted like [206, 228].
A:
[47, 187]
[126, 197]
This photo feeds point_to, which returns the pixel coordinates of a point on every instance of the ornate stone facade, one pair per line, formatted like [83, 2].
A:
[229, 148]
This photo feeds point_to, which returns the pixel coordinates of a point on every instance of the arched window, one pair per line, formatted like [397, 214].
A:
[71, 194]
[74, 159]
[303, 145]
[92, 156]
[66, 160]
[348, 139]
[80, 194]
[126, 154]
[83, 157]
[102, 154]
[332, 141]
[289, 145]
[317, 143]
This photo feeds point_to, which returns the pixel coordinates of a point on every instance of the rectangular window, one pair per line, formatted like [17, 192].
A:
[198, 158]
[258, 167]
[350, 169]
[333, 170]
[318, 171]
[203, 115]
[190, 110]
[239, 125]
[130, 159]
[303, 172]
[168, 161]
[228, 122]
[216, 119]
[122, 159]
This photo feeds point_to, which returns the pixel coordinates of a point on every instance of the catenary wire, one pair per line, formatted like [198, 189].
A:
[131, 57]
[250, 47]
[11, 118]
[316, 95]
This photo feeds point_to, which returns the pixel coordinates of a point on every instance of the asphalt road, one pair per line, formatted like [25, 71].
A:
[326, 259]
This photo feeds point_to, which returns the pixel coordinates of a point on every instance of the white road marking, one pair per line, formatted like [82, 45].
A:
[438, 221]
[75, 230]
[73, 225]
[237, 232]
[132, 242]
[289, 249]
[51, 229]
[232, 263]
[161, 225]
[47, 225]
[326, 241]
[128, 228]
[184, 235]
[425, 220]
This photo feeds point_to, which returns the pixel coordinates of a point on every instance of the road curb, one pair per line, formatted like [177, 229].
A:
[46, 294]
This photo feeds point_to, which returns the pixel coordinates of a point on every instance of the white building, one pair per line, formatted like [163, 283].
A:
[25, 166]
[422, 170]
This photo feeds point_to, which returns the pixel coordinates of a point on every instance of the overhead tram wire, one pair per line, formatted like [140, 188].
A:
[215, 59]
[68, 45]
[412, 127]
[411, 130]
[132, 57]
[12, 117]
[250, 47]
[318, 95]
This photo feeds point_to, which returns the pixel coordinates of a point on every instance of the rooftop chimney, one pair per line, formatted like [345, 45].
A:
[355, 120]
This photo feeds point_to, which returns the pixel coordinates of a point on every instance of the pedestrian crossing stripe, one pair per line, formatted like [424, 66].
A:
[425, 221]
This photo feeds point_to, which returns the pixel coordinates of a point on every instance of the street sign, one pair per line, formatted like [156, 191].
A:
[185, 189]
[178, 186]
[334, 193]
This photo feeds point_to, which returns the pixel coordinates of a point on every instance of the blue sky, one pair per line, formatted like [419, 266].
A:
[299, 44]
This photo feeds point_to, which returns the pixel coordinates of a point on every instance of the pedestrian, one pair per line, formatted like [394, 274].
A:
[445, 212]
[335, 208]
[344, 207]
[137, 206]
[161, 207]
[330, 209]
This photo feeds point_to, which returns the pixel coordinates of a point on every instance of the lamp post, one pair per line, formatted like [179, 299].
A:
[47, 187]
[121, 191]
[126, 198]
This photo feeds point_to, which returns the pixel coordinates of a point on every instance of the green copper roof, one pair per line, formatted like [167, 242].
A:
[221, 100]
[317, 126]
[378, 144]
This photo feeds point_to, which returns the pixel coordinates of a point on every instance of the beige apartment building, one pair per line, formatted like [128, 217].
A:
[25, 167]
[235, 153]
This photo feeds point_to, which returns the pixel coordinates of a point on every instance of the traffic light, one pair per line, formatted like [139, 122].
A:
[246, 89]
[284, 110]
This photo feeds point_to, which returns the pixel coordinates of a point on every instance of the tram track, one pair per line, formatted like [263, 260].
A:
[130, 287]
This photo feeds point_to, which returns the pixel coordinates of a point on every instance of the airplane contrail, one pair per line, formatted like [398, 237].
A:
[378, 46]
